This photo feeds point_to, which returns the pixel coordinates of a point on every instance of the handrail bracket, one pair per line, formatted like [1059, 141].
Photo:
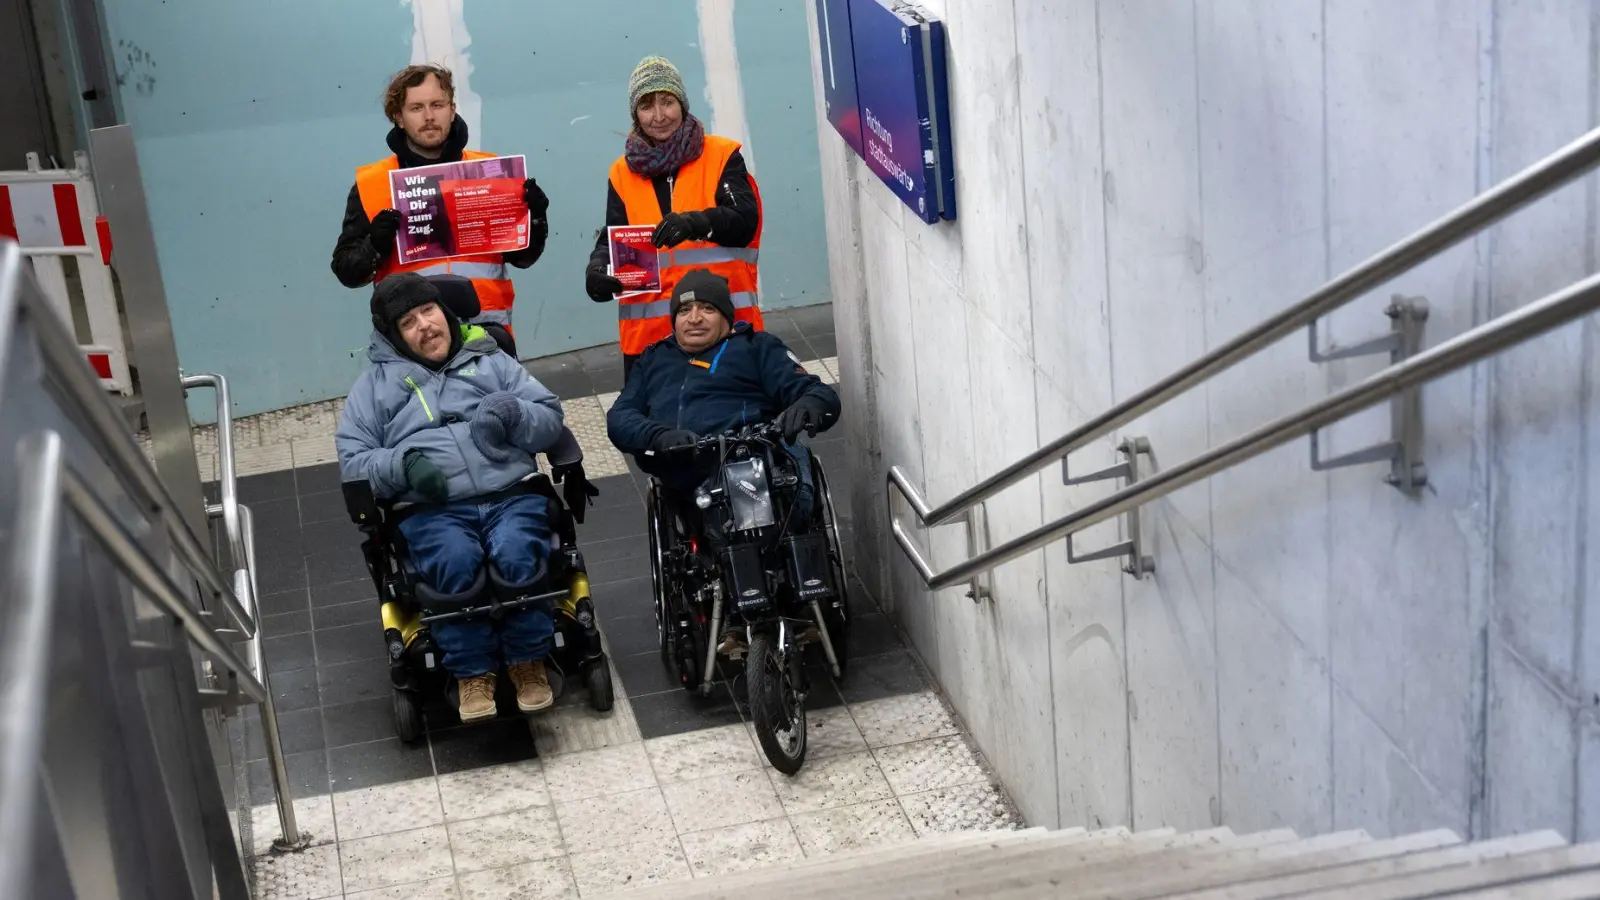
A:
[1403, 451]
[1136, 563]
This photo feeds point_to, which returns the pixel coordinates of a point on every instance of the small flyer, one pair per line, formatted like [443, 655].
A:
[634, 259]
[460, 209]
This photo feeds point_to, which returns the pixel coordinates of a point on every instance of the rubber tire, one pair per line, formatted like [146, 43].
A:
[407, 716]
[765, 685]
[658, 577]
[597, 678]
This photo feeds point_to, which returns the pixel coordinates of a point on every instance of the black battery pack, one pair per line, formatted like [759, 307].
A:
[743, 568]
[809, 571]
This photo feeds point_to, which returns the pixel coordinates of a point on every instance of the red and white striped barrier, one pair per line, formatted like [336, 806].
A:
[53, 214]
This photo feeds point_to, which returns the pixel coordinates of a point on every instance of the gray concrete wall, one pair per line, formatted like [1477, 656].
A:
[1138, 181]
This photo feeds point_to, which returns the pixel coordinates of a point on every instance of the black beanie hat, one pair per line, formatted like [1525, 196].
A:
[401, 293]
[705, 286]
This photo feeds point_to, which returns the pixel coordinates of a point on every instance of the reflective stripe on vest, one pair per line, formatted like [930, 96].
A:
[652, 308]
[473, 270]
[705, 256]
[495, 316]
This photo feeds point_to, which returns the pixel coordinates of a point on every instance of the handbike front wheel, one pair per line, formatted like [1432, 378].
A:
[777, 709]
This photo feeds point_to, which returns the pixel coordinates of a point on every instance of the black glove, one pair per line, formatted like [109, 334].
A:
[600, 285]
[534, 196]
[808, 414]
[425, 478]
[577, 491]
[381, 231]
[679, 227]
[673, 439]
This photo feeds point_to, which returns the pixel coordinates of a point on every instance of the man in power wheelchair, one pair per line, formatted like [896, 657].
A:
[471, 549]
[744, 549]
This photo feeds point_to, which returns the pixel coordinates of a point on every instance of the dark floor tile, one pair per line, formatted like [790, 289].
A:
[285, 623]
[886, 675]
[871, 633]
[350, 643]
[595, 552]
[279, 603]
[568, 385]
[290, 652]
[552, 366]
[308, 777]
[812, 320]
[358, 766]
[612, 523]
[316, 479]
[294, 690]
[606, 379]
[644, 674]
[675, 712]
[335, 564]
[634, 597]
[268, 486]
[325, 506]
[626, 635]
[279, 544]
[600, 357]
[300, 731]
[349, 682]
[616, 490]
[272, 517]
[336, 593]
[362, 612]
[824, 345]
[778, 323]
[504, 740]
[277, 576]
[329, 535]
[609, 572]
[358, 723]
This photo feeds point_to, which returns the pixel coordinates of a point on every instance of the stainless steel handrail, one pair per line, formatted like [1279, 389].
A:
[72, 372]
[1516, 192]
[228, 488]
[1552, 311]
[26, 662]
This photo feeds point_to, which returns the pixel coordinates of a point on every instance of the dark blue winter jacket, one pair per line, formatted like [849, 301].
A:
[749, 377]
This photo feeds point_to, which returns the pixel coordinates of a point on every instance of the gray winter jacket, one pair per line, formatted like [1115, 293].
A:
[398, 405]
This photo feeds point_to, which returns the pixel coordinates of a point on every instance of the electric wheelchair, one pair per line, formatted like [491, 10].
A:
[408, 606]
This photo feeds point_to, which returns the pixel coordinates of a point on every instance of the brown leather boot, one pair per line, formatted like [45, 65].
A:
[533, 686]
[477, 697]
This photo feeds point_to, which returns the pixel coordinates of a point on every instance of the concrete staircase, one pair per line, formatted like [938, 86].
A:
[1213, 864]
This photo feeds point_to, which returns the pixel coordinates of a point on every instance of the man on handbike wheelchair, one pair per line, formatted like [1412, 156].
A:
[448, 425]
[745, 560]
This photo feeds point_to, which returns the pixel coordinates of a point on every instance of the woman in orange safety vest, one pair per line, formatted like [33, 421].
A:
[695, 189]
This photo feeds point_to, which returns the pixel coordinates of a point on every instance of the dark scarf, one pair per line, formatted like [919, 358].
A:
[655, 160]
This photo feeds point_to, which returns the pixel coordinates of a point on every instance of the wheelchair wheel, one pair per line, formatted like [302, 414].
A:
[837, 619]
[597, 678]
[658, 566]
[407, 716]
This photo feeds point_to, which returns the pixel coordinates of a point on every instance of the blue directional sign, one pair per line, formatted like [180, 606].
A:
[839, 70]
[904, 124]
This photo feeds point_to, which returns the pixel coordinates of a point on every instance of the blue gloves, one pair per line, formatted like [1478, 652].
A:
[498, 417]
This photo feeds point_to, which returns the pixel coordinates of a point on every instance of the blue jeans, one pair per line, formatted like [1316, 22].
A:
[448, 545]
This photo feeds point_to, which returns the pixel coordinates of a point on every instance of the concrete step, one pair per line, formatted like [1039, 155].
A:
[1478, 874]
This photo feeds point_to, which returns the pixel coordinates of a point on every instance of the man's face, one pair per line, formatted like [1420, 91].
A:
[659, 114]
[426, 115]
[426, 332]
[699, 326]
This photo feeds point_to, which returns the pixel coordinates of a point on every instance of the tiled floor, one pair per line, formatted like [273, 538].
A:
[570, 802]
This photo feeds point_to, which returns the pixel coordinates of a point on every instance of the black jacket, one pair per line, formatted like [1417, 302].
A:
[355, 260]
[733, 220]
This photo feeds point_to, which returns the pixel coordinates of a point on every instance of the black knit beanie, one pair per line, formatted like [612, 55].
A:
[401, 293]
[705, 286]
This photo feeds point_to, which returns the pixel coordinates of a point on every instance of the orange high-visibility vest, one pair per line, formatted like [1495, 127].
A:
[645, 318]
[487, 271]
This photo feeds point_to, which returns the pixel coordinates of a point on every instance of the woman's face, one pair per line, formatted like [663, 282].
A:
[659, 115]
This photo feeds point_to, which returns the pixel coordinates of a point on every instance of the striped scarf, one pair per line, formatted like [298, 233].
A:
[655, 160]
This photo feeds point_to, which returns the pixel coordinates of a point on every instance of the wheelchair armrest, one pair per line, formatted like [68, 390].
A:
[360, 503]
